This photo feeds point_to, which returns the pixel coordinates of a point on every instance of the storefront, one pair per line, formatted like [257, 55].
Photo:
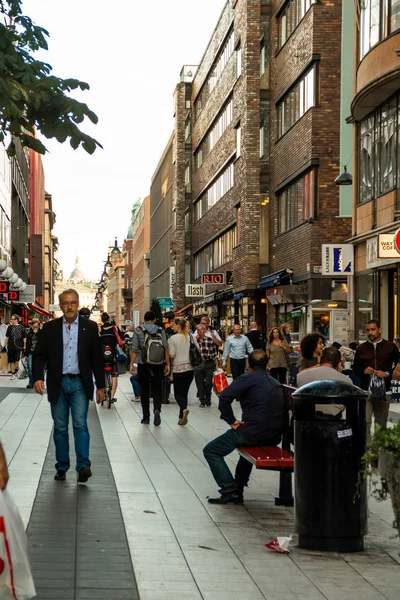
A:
[328, 317]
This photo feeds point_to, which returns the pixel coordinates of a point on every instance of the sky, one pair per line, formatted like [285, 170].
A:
[131, 54]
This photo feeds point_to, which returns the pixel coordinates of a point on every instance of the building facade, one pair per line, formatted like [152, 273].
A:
[375, 114]
[37, 225]
[116, 282]
[141, 262]
[51, 267]
[162, 219]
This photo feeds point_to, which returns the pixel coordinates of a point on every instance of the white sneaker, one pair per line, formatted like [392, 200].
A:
[12, 377]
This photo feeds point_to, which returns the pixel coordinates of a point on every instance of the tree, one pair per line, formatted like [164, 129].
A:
[30, 96]
[156, 308]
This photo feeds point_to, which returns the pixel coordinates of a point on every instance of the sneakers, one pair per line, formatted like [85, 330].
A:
[157, 418]
[84, 474]
[235, 497]
[184, 419]
[60, 475]
[145, 421]
[12, 377]
[202, 405]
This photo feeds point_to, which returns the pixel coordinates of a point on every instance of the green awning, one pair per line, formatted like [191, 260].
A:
[296, 313]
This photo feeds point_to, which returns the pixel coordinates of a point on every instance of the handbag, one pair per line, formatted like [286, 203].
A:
[120, 354]
[16, 582]
[195, 357]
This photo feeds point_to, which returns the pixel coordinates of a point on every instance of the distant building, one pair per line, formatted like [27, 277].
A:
[140, 262]
[77, 275]
[116, 281]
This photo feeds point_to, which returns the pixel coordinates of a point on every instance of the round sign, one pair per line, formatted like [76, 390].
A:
[397, 240]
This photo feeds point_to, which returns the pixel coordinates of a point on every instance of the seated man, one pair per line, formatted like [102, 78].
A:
[330, 367]
[262, 403]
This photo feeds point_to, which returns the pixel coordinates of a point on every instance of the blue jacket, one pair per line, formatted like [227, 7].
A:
[262, 403]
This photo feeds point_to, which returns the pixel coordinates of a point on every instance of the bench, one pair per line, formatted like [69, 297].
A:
[274, 458]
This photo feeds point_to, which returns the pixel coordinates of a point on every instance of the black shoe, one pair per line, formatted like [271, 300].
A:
[157, 418]
[202, 404]
[234, 497]
[84, 474]
[208, 403]
[145, 421]
[60, 475]
[29, 386]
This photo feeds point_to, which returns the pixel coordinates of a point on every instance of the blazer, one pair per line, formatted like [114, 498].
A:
[49, 353]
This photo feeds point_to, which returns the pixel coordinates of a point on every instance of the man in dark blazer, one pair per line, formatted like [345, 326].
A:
[70, 349]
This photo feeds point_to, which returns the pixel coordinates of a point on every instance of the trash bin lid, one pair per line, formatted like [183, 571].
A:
[329, 389]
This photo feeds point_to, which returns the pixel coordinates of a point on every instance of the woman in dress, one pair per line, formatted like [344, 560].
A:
[278, 351]
[182, 370]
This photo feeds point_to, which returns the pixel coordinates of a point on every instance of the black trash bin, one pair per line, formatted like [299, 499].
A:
[329, 441]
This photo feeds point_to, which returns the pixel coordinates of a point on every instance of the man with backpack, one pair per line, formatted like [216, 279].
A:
[150, 353]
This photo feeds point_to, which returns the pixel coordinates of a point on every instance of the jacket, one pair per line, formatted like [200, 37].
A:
[262, 403]
[29, 340]
[49, 352]
[387, 355]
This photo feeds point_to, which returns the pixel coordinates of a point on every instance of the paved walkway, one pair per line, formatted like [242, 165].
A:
[181, 547]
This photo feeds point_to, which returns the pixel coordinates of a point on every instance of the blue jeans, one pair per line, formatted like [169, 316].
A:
[30, 374]
[135, 384]
[72, 397]
[214, 453]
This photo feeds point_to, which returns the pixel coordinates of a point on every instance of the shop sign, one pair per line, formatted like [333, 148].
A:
[12, 296]
[337, 259]
[213, 278]
[373, 259]
[275, 296]
[387, 245]
[165, 303]
[171, 281]
[28, 295]
[193, 290]
[229, 278]
[4, 287]
[136, 318]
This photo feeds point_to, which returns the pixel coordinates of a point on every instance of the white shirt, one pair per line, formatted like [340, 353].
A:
[208, 334]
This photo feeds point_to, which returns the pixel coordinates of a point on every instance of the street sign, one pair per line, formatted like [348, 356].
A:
[194, 290]
[165, 303]
[28, 295]
[217, 278]
[136, 318]
[54, 307]
[337, 259]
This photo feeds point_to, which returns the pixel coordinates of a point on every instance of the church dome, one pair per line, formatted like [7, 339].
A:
[77, 273]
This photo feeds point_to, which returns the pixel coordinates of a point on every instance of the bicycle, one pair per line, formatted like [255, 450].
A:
[108, 370]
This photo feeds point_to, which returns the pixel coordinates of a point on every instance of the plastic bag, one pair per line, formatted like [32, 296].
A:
[280, 544]
[16, 582]
[377, 387]
[22, 372]
[220, 381]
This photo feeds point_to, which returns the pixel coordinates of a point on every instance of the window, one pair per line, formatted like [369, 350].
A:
[297, 102]
[215, 73]
[238, 224]
[215, 254]
[296, 202]
[291, 16]
[262, 140]
[239, 61]
[262, 59]
[214, 192]
[238, 140]
[378, 19]
[214, 134]
[379, 151]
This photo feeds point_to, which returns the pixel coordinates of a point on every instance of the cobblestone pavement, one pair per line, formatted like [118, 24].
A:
[148, 495]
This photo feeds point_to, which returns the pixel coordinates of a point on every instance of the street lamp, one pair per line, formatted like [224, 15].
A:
[108, 265]
[344, 178]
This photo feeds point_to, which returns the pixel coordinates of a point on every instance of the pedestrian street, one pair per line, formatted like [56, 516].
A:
[142, 527]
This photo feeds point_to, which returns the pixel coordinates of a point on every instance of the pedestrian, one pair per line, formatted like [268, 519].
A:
[211, 332]
[373, 361]
[15, 343]
[150, 354]
[278, 353]
[261, 424]
[311, 347]
[31, 342]
[134, 379]
[256, 337]
[182, 369]
[108, 337]
[69, 348]
[85, 312]
[203, 373]
[286, 335]
[329, 368]
[237, 347]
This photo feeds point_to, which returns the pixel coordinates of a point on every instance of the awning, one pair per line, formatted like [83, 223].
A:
[275, 279]
[239, 296]
[181, 310]
[40, 310]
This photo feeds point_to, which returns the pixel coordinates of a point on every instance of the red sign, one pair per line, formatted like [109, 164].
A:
[4, 287]
[13, 296]
[213, 278]
[397, 240]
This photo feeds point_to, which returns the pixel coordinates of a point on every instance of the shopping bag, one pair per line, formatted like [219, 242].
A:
[220, 381]
[22, 372]
[377, 387]
[16, 582]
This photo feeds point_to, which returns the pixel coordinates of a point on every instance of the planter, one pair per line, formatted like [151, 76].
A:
[389, 470]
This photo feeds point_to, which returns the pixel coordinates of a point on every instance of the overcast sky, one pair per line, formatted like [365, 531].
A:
[131, 53]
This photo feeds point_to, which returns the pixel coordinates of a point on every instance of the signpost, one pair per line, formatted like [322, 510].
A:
[194, 290]
[217, 278]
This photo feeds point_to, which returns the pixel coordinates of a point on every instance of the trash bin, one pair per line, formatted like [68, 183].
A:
[329, 441]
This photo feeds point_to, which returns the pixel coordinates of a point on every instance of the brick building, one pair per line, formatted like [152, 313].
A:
[140, 261]
[375, 113]
[304, 139]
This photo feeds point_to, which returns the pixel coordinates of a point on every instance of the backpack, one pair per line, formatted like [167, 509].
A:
[153, 352]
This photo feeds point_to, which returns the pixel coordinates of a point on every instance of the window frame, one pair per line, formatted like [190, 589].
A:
[292, 212]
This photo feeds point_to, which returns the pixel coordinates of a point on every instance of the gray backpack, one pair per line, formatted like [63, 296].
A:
[153, 351]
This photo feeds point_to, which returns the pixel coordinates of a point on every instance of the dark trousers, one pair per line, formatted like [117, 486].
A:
[182, 383]
[204, 380]
[238, 366]
[214, 453]
[155, 374]
[279, 373]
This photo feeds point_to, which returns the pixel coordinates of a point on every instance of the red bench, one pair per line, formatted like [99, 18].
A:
[274, 458]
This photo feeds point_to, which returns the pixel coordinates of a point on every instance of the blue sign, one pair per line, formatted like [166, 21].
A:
[165, 303]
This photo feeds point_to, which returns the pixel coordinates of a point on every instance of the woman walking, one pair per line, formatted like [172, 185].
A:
[182, 371]
[277, 350]
[108, 337]
[31, 341]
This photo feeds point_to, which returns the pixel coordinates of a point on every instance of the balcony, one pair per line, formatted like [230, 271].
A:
[127, 294]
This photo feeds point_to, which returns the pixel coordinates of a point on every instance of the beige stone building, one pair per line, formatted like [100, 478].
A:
[116, 281]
